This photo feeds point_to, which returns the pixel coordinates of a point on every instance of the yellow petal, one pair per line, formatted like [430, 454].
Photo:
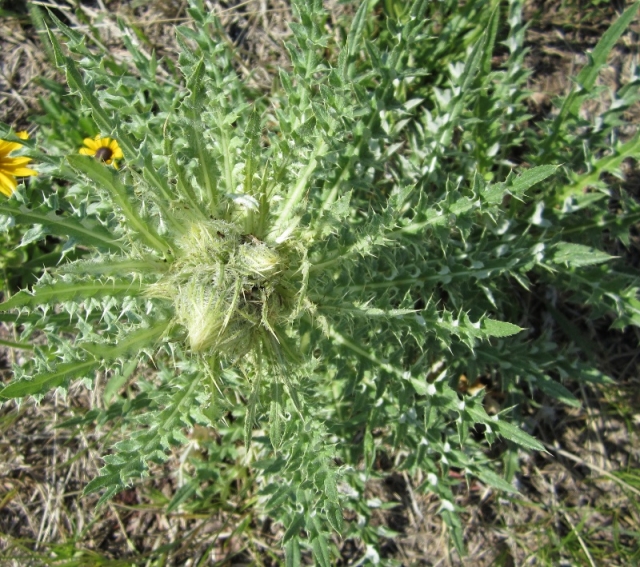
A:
[22, 172]
[90, 143]
[86, 152]
[5, 148]
[8, 147]
[13, 161]
[8, 184]
[117, 154]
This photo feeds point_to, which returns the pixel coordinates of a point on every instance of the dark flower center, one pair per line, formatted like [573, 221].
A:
[104, 153]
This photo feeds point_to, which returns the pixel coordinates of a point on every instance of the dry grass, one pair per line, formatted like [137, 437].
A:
[578, 503]
[22, 62]
[559, 37]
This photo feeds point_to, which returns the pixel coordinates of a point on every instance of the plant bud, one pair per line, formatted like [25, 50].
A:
[222, 286]
[258, 261]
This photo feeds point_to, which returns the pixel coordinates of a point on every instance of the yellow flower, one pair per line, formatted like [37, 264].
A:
[105, 150]
[12, 167]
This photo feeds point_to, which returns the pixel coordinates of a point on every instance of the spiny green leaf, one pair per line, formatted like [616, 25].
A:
[109, 181]
[252, 151]
[102, 481]
[118, 380]
[106, 123]
[250, 415]
[86, 231]
[45, 382]
[12, 344]
[130, 344]
[283, 494]
[468, 75]
[74, 37]
[530, 178]
[175, 409]
[420, 386]
[64, 291]
[354, 38]
[556, 390]
[292, 553]
[334, 515]
[606, 164]
[369, 450]
[455, 530]
[182, 495]
[578, 255]
[285, 224]
[588, 75]
[107, 495]
[151, 444]
[515, 434]
[206, 172]
[321, 551]
[276, 426]
[293, 530]
[573, 332]
[330, 488]
[594, 376]
[55, 44]
[492, 479]
[492, 33]
[159, 186]
[115, 266]
[507, 430]
[495, 328]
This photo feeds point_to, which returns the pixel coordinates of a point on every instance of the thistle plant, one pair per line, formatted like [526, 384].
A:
[315, 270]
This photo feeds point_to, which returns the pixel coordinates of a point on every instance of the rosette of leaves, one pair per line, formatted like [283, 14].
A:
[322, 263]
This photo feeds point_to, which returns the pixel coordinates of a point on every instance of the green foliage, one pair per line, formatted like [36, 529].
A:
[313, 270]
